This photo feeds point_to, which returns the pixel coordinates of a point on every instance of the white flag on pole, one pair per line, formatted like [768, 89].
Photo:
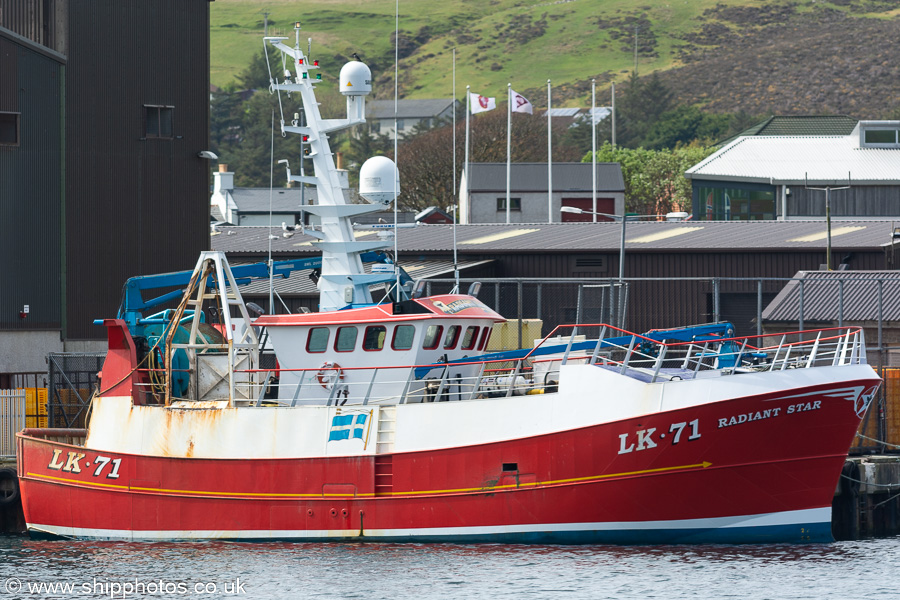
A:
[520, 103]
[480, 103]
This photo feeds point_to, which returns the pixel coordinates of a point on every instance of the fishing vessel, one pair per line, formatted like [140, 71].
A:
[390, 420]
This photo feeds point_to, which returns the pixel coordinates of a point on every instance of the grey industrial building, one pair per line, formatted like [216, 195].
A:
[677, 271]
[104, 109]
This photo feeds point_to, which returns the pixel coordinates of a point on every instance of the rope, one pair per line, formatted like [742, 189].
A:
[884, 485]
[865, 437]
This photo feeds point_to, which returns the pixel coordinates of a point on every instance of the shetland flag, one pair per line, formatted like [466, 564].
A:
[345, 427]
[518, 103]
[480, 103]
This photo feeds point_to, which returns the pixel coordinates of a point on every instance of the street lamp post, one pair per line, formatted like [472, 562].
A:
[578, 211]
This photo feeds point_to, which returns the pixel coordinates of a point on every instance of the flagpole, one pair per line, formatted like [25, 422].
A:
[613, 93]
[508, 142]
[465, 191]
[594, 148]
[396, 136]
[549, 160]
[453, 107]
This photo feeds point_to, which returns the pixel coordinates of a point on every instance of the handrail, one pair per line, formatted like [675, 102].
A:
[643, 358]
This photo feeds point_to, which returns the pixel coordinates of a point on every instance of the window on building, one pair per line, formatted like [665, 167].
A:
[736, 204]
[400, 125]
[375, 127]
[345, 341]
[9, 128]
[515, 204]
[158, 121]
[403, 337]
[374, 337]
[881, 137]
[317, 340]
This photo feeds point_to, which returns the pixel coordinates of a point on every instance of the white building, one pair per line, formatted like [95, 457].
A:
[380, 114]
[482, 199]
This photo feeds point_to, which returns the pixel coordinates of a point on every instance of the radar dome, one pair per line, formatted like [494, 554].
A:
[379, 180]
[356, 79]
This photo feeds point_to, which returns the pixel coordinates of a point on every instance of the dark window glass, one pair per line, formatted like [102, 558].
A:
[345, 341]
[881, 136]
[158, 121]
[470, 337]
[485, 335]
[403, 337]
[432, 337]
[374, 337]
[9, 129]
[515, 204]
[317, 340]
[452, 337]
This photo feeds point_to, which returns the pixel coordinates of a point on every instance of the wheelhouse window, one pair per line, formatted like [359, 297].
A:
[432, 337]
[345, 341]
[158, 121]
[9, 129]
[470, 338]
[374, 338]
[452, 337]
[485, 335]
[317, 341]
[515, 204]
[403, 337]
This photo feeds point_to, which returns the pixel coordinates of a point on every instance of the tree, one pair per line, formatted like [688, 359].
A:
[426, 161]
[654, 179]
[255, 75]
[225, 115]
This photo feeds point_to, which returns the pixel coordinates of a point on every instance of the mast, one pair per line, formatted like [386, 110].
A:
[343, 281]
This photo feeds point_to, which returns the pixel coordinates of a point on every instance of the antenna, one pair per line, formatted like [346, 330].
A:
[827, 189]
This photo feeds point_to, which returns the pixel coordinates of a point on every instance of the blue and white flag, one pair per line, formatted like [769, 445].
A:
[345, 427]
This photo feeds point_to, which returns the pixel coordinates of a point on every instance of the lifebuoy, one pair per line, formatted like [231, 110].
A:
[329, 374]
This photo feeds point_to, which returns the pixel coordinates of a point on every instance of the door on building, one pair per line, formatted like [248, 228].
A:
[604, 205]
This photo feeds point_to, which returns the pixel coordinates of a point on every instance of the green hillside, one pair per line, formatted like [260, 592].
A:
[526, 42]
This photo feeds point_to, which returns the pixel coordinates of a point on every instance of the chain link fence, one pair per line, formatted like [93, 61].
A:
[72, 379]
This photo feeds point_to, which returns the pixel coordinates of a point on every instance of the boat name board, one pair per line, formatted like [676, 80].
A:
[645, 439]
[73, 460]
[768, 413]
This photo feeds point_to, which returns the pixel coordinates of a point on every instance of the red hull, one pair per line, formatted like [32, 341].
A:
[607, 482]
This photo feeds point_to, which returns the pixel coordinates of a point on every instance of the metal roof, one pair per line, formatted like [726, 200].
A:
[563, 112]
[828, 293]
[802, 125]
[299, 284]
[532, 177]
[407, 109]
[794, 159]
[256, 200]
[688, 236]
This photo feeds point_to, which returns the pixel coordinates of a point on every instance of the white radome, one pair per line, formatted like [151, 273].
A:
[356, 79]
[379, 180]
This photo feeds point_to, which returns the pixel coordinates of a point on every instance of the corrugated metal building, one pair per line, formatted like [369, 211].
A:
[783, 177]
[107, 102]
[659, 256]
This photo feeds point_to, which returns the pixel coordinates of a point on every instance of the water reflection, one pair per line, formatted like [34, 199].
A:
[814, 571]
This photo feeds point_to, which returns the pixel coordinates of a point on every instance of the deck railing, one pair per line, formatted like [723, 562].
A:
[537, 371]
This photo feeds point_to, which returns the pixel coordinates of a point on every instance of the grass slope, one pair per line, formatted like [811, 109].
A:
[527, 42]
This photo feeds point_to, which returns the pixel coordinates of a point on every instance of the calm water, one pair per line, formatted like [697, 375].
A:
[865, 569]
